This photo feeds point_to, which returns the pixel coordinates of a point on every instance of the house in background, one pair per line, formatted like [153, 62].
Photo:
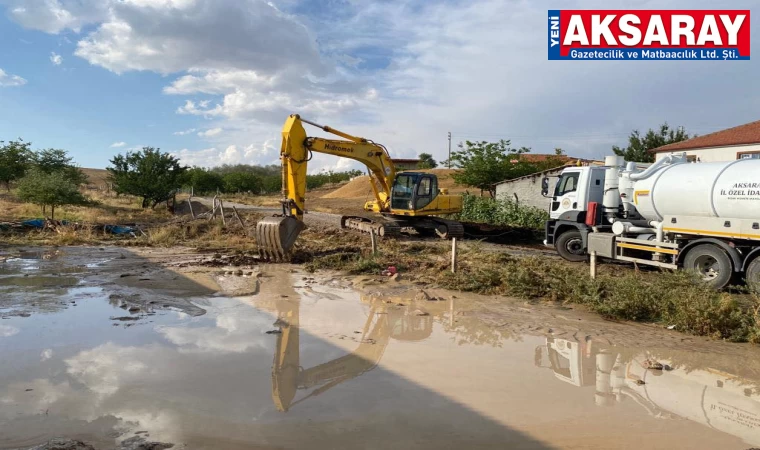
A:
[742, 142]
[405, 164]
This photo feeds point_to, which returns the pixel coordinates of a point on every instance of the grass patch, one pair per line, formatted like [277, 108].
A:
[501, 212]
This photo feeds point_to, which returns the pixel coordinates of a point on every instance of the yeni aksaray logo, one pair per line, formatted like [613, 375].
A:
[630, 34]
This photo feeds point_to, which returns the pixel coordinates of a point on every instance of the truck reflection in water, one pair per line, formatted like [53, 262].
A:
[711, 397]
[383, 323]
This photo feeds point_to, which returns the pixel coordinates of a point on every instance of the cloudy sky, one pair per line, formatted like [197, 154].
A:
[213, 80]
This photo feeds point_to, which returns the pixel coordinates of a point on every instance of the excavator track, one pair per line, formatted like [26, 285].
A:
[392, 227]
[447, 229]
[382, 227]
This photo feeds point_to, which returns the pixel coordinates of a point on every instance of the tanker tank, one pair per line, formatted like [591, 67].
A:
[715, 189]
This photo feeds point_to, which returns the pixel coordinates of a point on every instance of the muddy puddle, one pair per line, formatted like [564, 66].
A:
[298, 361]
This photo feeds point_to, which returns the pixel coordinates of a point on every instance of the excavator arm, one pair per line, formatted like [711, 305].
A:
[276, 235]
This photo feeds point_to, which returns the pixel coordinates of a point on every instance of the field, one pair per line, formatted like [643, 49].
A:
[513, 271]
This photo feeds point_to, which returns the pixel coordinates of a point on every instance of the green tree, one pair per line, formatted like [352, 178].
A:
[203, 181]
[15, 157]
[639, 146]
[56, 160]
[483, 164]
[427, 161]
[150, 174]
[240, 182]
[49, 189]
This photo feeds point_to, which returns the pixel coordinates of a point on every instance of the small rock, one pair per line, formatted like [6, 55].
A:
[423, 296]
[654, 365]
[640, 382]
[239, 273]
[28, 390]
[421, 313]
[217, 255]
[134, 309]
[248, 274]
[395, 277]
[125, 275]
[284, 296]
[24, 314]
[357, 332]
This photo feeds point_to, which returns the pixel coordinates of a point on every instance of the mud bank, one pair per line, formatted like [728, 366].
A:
[242, 356]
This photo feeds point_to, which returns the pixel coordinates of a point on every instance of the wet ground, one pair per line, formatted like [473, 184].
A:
[105, 345]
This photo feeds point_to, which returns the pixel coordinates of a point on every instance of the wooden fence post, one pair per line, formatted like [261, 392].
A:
[454, 255]
[373, 239]
[593, 265]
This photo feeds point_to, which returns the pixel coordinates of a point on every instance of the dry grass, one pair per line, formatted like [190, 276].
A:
[106, 209]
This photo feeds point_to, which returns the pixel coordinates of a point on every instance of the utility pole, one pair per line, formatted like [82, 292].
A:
[449, 150]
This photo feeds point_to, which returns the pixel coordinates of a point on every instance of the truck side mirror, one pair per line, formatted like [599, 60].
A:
[544, 186]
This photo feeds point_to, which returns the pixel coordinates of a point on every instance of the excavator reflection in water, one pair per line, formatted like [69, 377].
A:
[383, 323]
[710, 397]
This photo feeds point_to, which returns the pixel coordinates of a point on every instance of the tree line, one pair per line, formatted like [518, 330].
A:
[50, 178]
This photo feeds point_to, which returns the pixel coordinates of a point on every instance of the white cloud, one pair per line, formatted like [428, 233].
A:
[56, 59]
[8, 80]
[172, 36]
[54, 16]
[118, 144]
[401, 72]
[264, 153]
[8, 330]
[46, 354]
[185, 132]
[210, 133]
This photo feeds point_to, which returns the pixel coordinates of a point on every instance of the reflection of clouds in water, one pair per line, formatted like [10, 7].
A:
[106, 367]
[235, 332]
[43, 394]
[8, 331]
[46, 354]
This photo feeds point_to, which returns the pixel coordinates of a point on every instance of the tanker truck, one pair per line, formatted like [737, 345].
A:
[674, 214]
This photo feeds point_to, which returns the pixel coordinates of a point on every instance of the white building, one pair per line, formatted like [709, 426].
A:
[728, 145]
[526, 190]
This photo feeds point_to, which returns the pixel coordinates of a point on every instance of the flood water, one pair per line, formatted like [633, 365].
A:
[313, 364]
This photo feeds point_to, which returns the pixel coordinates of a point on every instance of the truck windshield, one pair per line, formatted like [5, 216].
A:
[568, 182]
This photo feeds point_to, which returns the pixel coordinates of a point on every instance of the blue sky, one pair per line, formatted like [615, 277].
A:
[213, 81]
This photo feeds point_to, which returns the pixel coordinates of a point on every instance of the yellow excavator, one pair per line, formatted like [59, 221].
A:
[407, 200]
[288, 376]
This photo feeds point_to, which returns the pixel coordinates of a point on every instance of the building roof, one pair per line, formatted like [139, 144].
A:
[742, 135]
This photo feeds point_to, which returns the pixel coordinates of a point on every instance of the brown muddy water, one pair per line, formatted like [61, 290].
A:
[102, 345]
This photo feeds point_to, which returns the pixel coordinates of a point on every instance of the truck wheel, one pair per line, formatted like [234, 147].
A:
[753, 275]
[711, 264]
[569, 245]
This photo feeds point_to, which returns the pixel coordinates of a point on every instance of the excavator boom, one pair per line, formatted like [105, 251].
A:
[276, 235]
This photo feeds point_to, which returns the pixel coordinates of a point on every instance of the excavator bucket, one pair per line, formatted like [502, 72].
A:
[275, 237]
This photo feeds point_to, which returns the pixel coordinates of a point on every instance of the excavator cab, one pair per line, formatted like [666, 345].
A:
[413, 190]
